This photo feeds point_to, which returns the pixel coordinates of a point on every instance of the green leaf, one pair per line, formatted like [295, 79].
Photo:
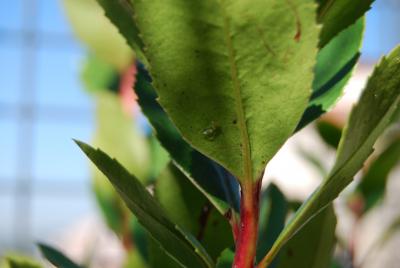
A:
[372, 185]
[56, 258]
[226, 259]
[158, 257]
[233, 82]
[19, 261]
[335, 63]
[329, 133]
[93, 28]
[215, 182]
[319, 235]
[337, 15]
[180, 245]
[367, 121]
[273, 212]
[187, 206]
[128, 145]
[121, 14]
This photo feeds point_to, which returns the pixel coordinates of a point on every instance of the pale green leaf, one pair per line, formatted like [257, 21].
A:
[121, 14]
[95, 30]
[179, 244]
[231, 79]
[19, 261]
[367, 121]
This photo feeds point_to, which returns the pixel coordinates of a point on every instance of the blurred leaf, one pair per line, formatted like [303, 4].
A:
[121, 15]
[220, 187]
[335, 63]
[226, 259]
[19, 261]
[373, 184]
[312, 246]
[273, 212]
[368, 120]
[101, 36]
[186, 206]
[98, 75]
[180, 245]
[159, 157]
[134, 260]
[337, 15]
[56, 258]
[223, 77]
[330, 133]
[117, 133]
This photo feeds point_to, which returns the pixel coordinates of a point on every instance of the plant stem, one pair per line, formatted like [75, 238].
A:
[246, 243]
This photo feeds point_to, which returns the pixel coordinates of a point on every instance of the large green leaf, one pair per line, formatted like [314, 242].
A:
[273, 212]
[187, 206]
[215, 182]
[179, 244]
[234, 76]
[367, 121]
[335, 63]
[57, 258]
[373, 183]
[337, 15]
[312, 246]
[101, 36]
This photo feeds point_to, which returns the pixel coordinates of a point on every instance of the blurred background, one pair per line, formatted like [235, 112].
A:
[45, 186]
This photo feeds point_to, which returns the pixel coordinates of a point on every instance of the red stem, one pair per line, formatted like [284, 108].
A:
[246, 243]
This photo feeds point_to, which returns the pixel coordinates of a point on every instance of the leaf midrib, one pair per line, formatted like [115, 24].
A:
[241, 119]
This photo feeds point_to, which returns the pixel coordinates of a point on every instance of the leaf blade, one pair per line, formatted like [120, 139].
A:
[57, 258]
[211, 95]
[180, 245]
[367, 121]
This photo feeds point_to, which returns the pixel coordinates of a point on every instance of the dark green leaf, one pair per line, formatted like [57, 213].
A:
[187, 206]
[57, 258]
[337, 15]
[273, 212]
[233, 82]
[312, 246]
[211, 179]
[335, 63]
[368, 120]
[180, 245]
[373, 183]
[330, 133]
